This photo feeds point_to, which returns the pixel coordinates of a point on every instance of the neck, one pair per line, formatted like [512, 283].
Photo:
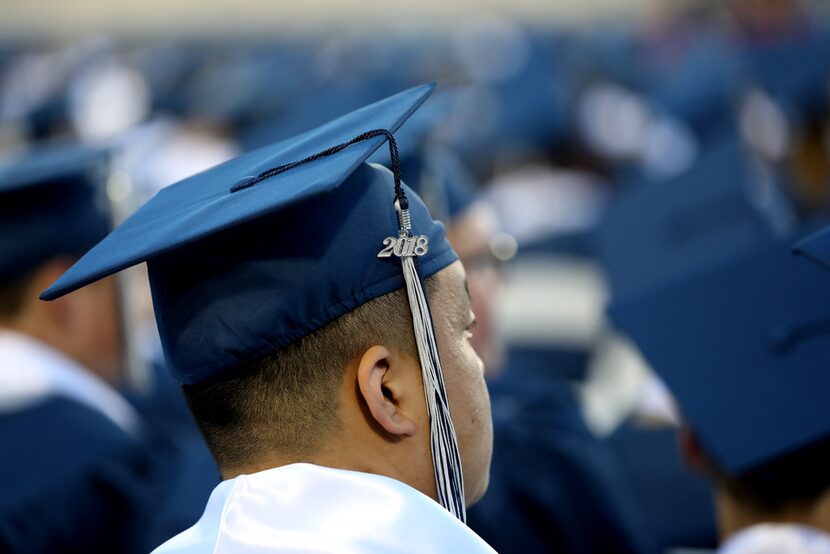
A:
[343, 454]
[734, 515]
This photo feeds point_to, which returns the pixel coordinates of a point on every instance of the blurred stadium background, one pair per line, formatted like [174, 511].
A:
[561, 111]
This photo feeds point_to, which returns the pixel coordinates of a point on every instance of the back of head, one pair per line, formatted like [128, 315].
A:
[270, 272]
[795, 481]
[287, 402]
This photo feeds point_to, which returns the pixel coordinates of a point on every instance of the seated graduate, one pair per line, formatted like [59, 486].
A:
[743, 345]
[292, 288]
[74, 472]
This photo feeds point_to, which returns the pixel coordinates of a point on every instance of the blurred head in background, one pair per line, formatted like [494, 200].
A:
[52, 210]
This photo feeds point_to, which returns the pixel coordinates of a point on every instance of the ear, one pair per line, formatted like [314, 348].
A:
[382, 384]
[690, 449]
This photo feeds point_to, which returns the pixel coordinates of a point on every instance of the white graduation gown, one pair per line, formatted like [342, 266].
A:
[777, 539]
[307, 508]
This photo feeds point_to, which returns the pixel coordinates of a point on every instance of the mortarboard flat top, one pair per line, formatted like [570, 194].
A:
[745, 348]
[238, 275]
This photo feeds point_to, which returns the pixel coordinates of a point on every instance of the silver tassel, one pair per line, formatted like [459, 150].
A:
[446, 459]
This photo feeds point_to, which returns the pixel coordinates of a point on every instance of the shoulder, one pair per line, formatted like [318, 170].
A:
[319, 509]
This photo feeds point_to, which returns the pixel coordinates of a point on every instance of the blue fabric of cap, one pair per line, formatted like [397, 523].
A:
[745, 348]
[238, 275]
[664, 230]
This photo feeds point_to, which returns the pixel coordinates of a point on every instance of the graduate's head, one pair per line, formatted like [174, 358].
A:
[792, 487]
[50, 213]
[350, 394]
[278, 283]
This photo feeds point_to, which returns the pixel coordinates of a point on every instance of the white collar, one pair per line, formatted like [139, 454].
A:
[31, 371]
[779, 539]
[314, 509]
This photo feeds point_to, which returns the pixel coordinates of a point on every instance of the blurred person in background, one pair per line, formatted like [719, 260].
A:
[743, 346]
[78, 478]
[703, 282]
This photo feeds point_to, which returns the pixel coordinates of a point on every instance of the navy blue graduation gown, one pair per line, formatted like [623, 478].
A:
[553, 486]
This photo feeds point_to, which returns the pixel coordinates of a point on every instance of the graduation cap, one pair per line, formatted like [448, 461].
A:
[698, 89]
[794, 70]
[252, 255]
[51, 204]
[661, 231]
[745, 348]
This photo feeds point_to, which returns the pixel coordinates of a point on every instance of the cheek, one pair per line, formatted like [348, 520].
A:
[469, 403]
[485, 284]
[470, 406]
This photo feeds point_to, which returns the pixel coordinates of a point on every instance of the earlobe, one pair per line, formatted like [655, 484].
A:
[375, 376]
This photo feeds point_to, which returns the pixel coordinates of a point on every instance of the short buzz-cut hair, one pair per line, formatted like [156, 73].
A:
[287, 402]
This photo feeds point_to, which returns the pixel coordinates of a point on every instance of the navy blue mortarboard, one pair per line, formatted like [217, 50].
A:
[200, 220]
[745, 348]
[251, 255]
[51, 204]
[661, 231]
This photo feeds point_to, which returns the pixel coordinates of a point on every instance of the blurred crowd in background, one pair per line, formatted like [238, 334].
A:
[552, 153]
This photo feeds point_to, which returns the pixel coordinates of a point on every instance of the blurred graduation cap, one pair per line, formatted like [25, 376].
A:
[689, 77]
[314, 108]
[745, 347]
[251, 255]
[794, 70]
[664, 231]
[51, 204]
[435, 172]
[698, 88]
[521, 114]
